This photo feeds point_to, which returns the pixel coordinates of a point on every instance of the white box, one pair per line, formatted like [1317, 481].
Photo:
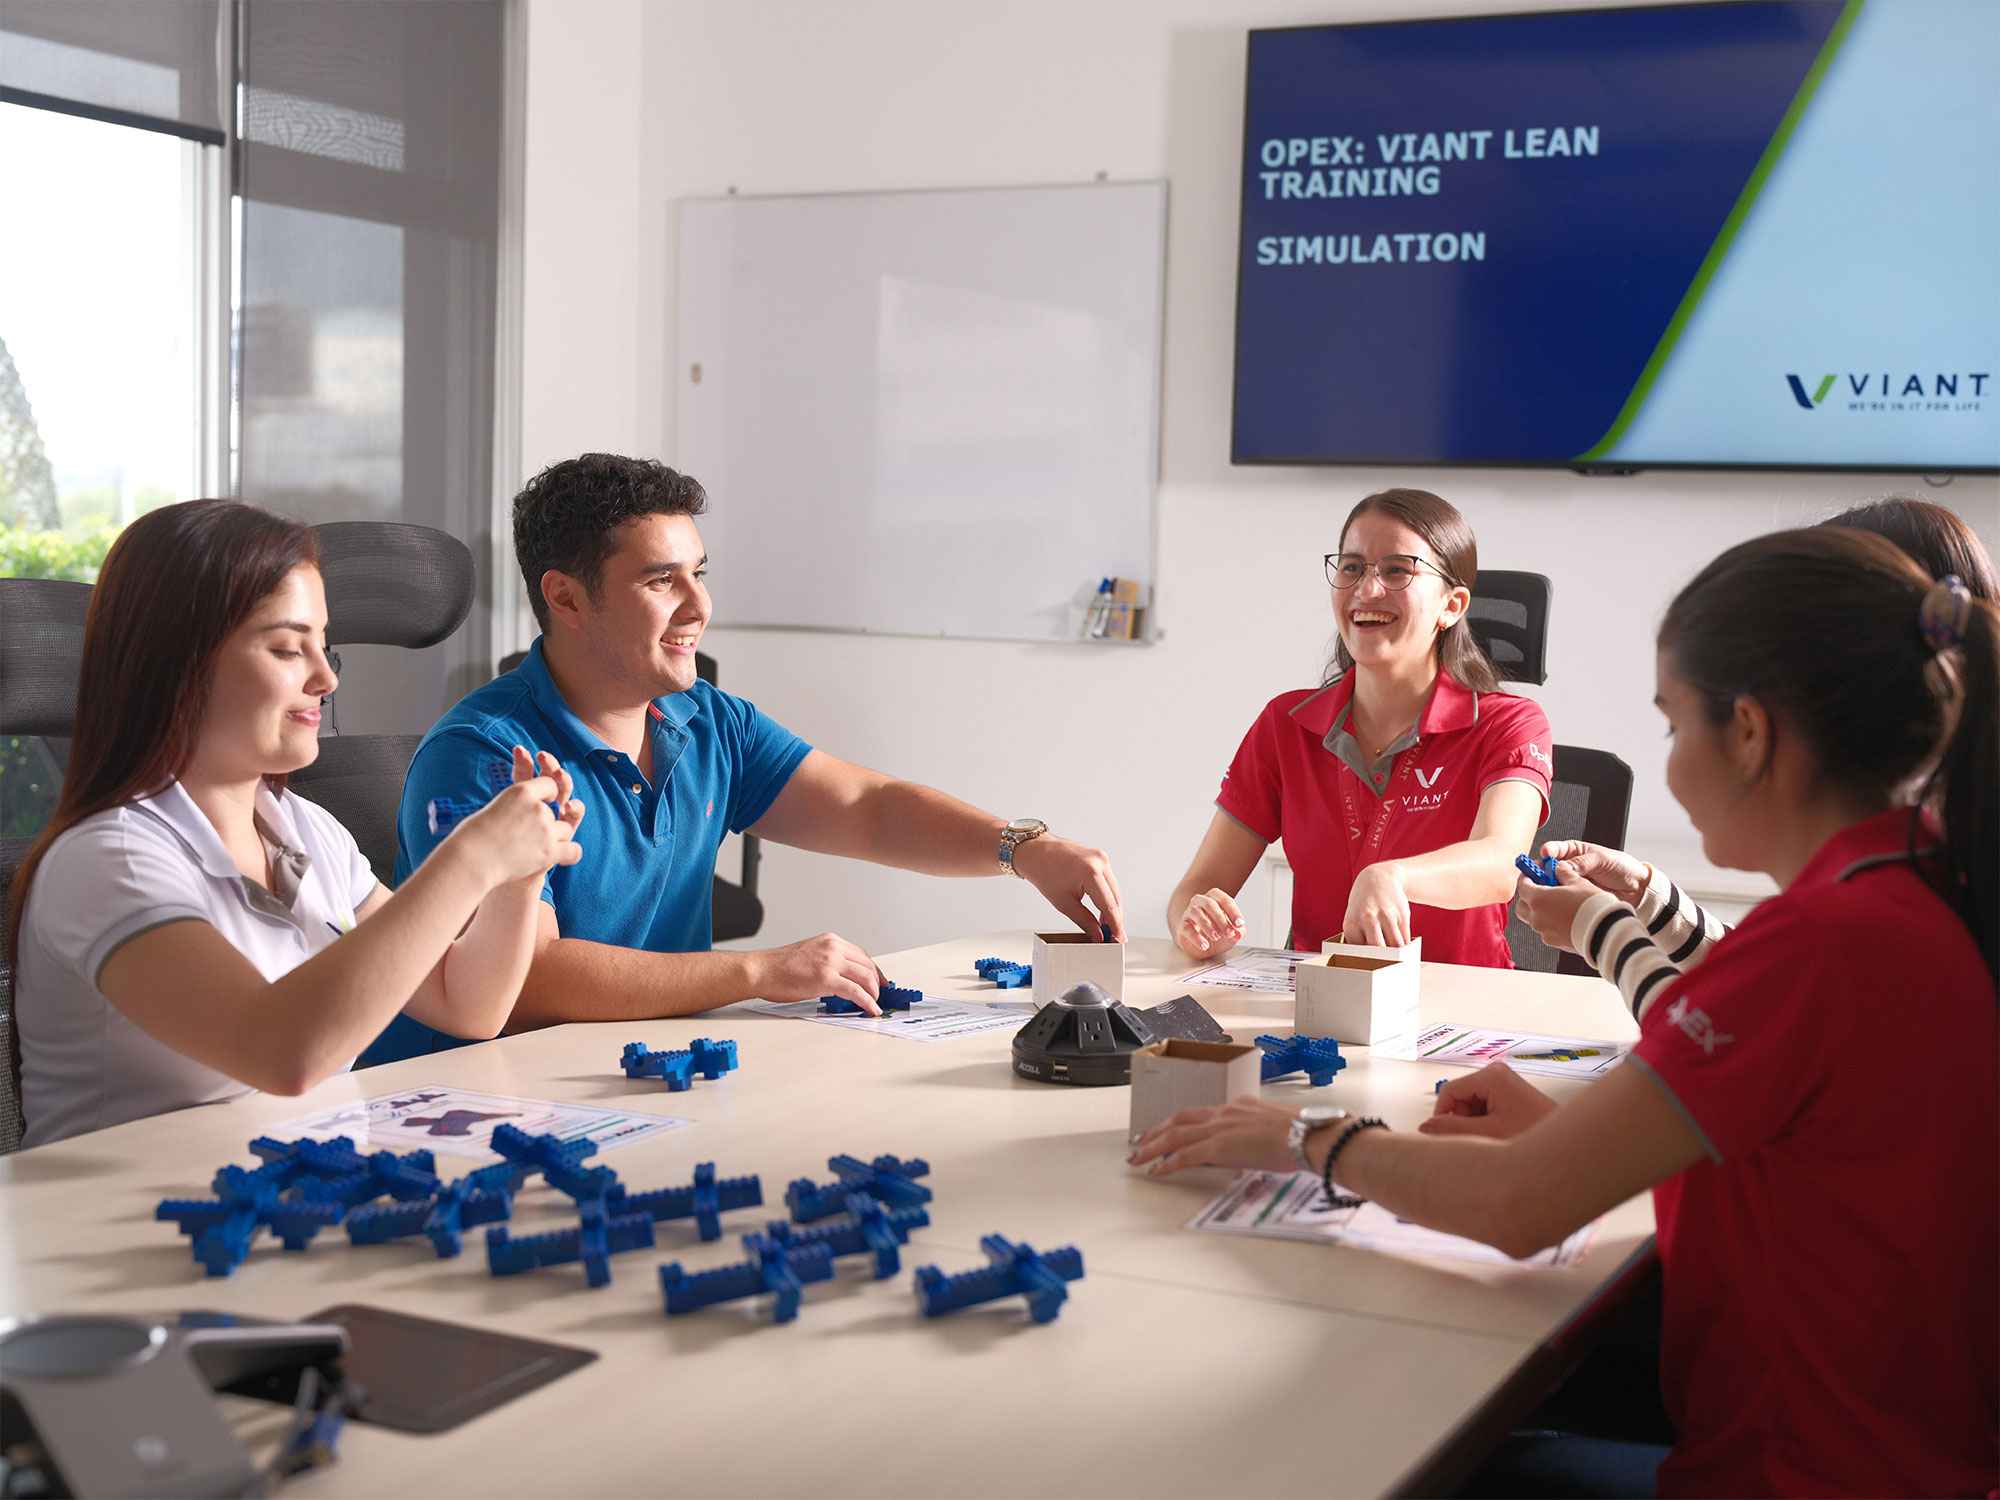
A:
[1179, 1074]
[1065, 959]
[1357, 993]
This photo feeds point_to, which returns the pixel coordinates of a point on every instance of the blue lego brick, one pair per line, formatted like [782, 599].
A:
[781, 1270]
[1004, 973]
[406, 1178]
[867, 1229]
[712, 1058]
[538, 1151]
[1540, 871]
[460, 1207]
[1315, 1056]
[224, 1246]
[675, 1069]
[1015, 1270]
[895, 997]
[592, 1242]
[834, 1005]
[379, 1223]
[885, 1178]
[703, 1200]
[581, 1184]
[296, 1222]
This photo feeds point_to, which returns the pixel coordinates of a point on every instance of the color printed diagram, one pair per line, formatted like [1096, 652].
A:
[1525, 1052]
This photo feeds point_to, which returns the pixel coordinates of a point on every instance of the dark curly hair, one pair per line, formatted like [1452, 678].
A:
[567, 516]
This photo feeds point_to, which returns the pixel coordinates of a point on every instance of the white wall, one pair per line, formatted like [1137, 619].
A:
[634, 104]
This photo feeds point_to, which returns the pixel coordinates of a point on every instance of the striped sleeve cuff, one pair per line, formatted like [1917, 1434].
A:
[1677, 923]
[1612, 937]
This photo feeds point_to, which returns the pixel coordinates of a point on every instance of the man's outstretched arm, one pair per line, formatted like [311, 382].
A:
[574, 980]
[832, 807]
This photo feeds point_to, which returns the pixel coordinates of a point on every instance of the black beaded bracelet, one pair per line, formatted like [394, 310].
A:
[1344, 1200]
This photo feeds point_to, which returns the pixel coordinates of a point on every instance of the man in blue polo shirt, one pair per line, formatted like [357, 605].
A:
[666, 765]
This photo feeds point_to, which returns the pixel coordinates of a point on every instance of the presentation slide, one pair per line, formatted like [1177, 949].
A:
[1740, 234]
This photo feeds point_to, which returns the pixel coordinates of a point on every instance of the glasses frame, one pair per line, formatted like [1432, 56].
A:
[1331, 561]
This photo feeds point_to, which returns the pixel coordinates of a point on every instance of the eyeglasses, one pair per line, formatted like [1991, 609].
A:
[1396, 572]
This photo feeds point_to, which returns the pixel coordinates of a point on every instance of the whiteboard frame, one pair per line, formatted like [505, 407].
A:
[1144, 518]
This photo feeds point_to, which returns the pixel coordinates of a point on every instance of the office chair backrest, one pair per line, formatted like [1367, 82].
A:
[1591, 800]
[41, 650]
[1509, 617]
[387, 584]
[392, 584]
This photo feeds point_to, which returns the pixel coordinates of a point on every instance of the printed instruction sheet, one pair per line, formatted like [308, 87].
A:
[1292, 1206]
[935, 1018]
[1523, 1051]
[1265, 970]
[460, 1123]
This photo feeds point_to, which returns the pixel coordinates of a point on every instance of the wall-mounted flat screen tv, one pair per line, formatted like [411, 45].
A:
[1748, 235]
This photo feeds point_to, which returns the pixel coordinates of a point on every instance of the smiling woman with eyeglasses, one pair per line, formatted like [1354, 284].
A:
[1404, 785]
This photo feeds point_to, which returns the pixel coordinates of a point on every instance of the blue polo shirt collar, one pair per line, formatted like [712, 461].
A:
[674, 710]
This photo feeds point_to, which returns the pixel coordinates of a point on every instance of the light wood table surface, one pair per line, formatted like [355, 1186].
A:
[1183, 1364]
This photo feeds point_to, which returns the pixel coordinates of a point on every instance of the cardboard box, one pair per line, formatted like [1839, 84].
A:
[1063, 959]
[1179, 1074]
[1357, 993]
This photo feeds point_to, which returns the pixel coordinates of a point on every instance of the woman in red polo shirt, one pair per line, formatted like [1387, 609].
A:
[1815, 1107]
[1404, 785]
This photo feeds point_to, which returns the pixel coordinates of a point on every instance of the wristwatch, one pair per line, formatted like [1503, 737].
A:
[1013, 836]
[1311, 1118]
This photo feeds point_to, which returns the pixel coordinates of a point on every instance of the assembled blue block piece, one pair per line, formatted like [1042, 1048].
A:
[444, 1219]
[501, 1177]
[675, 1069]
[1015, 1270]
[592, 1242]
[1540, 871]
[781, 1270]
[885, 1178]
[539, 1151]
[895, 997]
[867, 1229]
[585, 1184]
[703, 1200]
[1317, 1057]
[1003, 973]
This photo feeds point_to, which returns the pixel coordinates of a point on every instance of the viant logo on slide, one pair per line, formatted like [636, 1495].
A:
[1942, 394]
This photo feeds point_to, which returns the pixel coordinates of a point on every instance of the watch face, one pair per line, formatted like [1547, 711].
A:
[1027, 825]
[1319, 1114]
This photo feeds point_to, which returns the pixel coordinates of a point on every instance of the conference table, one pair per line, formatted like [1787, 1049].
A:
[1182, 1364]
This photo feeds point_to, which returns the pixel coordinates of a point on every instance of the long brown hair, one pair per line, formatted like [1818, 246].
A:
[1450, 539]
[1821, 626]
[174, 586]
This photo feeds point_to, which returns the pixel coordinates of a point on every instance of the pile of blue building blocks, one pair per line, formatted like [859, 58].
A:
[1540, 871]
[1004, 973]
[871, 1208]
[1317, 1057]
[889, 997]
[677, 1068]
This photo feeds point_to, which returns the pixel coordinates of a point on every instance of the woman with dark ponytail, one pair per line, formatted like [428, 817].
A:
[1817, 1106]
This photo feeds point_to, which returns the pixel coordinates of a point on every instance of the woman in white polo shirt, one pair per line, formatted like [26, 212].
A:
[187, 930]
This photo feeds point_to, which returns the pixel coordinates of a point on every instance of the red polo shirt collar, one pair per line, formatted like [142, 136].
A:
[1450, 707]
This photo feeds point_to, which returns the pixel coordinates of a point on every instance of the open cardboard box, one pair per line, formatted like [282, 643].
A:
[1065, 959]
[1179, 1074]
[1358, 993]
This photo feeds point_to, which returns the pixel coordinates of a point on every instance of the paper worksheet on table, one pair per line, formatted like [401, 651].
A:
[1523, 1051]
[935, 1018]
[461, 1123]
[1265, 970]
[1292, 1206]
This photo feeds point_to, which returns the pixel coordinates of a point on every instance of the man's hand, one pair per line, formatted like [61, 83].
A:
[1496, 1101]
[1069, 875]
[1551, 909]
[823, 965]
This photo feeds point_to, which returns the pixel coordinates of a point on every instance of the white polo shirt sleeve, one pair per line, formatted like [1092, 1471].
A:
[106, 882]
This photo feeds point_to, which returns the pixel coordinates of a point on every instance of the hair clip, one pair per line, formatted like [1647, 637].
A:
[1943, 613]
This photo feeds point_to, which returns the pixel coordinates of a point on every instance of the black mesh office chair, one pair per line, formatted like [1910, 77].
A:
[387, 584]
[41, 648]
[1591, 800]
[735, 911]
[1509, 617]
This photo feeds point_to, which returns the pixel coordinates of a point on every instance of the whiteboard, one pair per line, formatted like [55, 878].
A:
[923, 413]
